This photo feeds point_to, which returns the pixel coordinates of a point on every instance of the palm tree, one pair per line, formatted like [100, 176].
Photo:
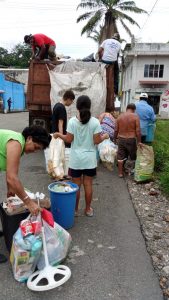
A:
[109, 11]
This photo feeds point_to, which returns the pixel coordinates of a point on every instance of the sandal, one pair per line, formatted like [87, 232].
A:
[89, 213]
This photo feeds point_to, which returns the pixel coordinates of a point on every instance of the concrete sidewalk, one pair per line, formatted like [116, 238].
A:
[108, 258]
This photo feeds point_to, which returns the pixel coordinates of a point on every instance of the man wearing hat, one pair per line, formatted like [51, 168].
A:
[108, 53]
[42, 46]
[146, 115]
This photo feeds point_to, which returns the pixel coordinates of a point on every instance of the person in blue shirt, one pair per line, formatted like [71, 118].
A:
[146, 115]
[83, 132]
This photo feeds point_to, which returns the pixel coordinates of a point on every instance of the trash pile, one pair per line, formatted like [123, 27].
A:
[26, 249]
[14, 205]
[55, 159]
[39, 243]
[107, 152]
[62, 187]
[144, 165]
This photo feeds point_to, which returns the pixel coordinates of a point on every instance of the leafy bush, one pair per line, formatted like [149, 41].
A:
[161, 151]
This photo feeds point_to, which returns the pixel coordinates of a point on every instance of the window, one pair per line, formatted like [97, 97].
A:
[155, 71]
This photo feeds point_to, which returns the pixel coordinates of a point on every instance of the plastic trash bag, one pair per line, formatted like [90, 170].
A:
[56, 159]
[144, 165]
[58, 242]
[150, 132]
[26, 251]
[107, 152]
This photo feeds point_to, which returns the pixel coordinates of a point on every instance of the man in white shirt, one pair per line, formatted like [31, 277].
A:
[108, 53]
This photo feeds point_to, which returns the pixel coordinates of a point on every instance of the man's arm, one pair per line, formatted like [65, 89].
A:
[60, 126]
[41, 53]
[116, 131]
[153, 116]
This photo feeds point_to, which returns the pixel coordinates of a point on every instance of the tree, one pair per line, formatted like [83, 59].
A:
[110, 12]
[18, 57]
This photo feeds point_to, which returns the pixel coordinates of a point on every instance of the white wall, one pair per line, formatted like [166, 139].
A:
[134, 71]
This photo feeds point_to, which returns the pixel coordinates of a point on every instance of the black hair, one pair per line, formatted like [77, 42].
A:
[131, 106]
[144, 98]
[39, 135]
[83, 104]
[69, 95]
[27, 38]
[109, 109]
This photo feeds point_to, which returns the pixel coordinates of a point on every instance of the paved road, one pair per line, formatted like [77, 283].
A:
[108, 259]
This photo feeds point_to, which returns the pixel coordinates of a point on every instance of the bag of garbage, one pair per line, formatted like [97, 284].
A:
[26, 248]
[58, 242]
[56, 159]
[107, 152]
[144, 165]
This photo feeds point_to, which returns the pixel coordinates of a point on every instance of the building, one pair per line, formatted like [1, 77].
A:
[145, 69]
[11, 89]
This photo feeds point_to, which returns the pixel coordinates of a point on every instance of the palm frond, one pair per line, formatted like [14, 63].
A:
[88, 4]
[113, 10]
[130, 6]
[92, 23]
[120, 15]
[84, 16]
[126, 28]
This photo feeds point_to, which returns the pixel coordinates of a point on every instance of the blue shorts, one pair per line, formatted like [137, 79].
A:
[78, 173]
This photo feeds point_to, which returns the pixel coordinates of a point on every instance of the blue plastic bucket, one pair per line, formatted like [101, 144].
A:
[150, 133]
[63, 205]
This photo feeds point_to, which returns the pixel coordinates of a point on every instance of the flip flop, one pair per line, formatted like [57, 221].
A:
[121, 176]
[89, 213]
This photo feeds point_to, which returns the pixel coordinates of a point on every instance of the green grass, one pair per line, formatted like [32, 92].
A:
[161, 152]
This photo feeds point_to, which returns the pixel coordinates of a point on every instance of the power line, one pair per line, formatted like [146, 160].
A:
[149, 15]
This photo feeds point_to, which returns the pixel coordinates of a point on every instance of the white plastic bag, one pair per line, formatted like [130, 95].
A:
[56, 159]
[58, 242]
[107, 151]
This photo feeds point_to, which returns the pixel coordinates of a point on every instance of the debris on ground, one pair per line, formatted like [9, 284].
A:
[152, 209]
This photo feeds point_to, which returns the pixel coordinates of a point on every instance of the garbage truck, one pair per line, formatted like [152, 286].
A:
[47, 84]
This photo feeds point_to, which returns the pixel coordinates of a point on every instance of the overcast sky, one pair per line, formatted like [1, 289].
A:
[57, 19]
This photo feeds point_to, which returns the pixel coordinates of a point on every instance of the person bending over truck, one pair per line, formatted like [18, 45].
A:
[43, 47]
[13, 145]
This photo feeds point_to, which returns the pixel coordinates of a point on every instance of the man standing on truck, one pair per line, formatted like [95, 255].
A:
[43, 47]
[59, 115]
[108, 53]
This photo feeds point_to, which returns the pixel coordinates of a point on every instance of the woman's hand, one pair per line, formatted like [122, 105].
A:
[10, 194]
[32, 207]
[55, 135]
